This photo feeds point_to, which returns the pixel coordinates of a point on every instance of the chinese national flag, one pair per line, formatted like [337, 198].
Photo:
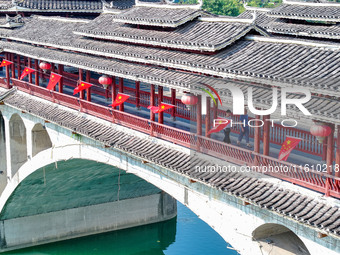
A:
[54, 79]
[219, 125]
[81, 87]
[5, 63]
[287, 147]
[163, 107]
[120, 98]
[26, 71]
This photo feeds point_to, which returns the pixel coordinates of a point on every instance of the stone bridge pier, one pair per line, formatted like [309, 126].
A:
[57, 184]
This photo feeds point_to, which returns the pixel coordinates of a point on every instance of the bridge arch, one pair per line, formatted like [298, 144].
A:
[277, 239]
[18, 143]
[40, 139]
[3, 155]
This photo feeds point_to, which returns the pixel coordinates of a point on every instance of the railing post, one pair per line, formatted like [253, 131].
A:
[207, 118]
[173, 101]
[329, 158]
[121, 90]
[199, 121]
[160, 100]
[152, 101]
[88, 90]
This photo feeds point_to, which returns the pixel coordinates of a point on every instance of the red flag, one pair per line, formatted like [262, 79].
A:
[120, 98]
[81, 87]
[26, 71]
[54, 79]
[219, 125]
[163, 107]
[5, 63]
[287, 147]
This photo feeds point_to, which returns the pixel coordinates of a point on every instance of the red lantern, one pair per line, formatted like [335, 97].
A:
[320, 131]
[105, 81]
[45, 66]
[189, 99]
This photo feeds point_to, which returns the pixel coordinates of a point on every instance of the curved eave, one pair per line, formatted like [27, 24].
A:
[231, 74]
[167, 45]
[307, 34]
[157, 24]
[22, 9]
[304, 18]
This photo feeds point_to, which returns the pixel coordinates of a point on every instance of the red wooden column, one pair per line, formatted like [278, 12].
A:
[61, 71]
[337, 153]
[266, 135]
[257, 136]
[160, 100]
[113, 89]
[30, 66]
[207, 118]
[199, 115]
[121, 90]
[36, 73]
[88, 90]
[215, 108]
[19, 65]
[138, 95]
[173, 101]
[81, 93]
[7, 73]
[152, 101]
[329, 157]
[13, 65]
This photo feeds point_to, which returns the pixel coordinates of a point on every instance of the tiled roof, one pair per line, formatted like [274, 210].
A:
[157, 16]
[286, 61]
[196, 35]
[305, 209]
[308, 11]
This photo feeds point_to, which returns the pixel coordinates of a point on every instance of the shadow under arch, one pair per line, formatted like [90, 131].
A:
[3, 155]
[40, 139]
[278, 239]
[78, 183]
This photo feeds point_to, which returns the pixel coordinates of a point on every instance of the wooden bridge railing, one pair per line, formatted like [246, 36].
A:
[248, 160]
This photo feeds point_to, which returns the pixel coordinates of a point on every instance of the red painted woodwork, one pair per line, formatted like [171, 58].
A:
[160, 100]
[317, 181]
[207, 118]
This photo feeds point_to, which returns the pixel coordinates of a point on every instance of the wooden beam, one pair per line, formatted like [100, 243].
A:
[7, 73]
[19, 65]
[199, 116]
[257, 136]
[13, 65]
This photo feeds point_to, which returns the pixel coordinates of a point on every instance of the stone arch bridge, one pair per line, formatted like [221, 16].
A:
[40, 142]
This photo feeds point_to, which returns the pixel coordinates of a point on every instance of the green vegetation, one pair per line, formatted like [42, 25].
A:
[223, 7]
[264, 3]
